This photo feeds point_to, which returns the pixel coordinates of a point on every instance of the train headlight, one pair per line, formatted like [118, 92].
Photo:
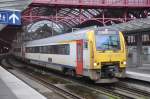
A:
[124, 62]
[95, 64]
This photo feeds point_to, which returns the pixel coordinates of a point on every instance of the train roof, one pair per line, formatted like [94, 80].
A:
[76, 35]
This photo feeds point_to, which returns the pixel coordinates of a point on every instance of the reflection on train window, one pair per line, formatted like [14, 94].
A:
[50, 49]
[108, 42]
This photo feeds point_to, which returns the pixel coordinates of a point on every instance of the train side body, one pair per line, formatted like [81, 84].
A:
[77, 53]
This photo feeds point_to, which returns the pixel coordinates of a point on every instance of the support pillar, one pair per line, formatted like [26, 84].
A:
[139, 50]
[103, 16]
[125, 15]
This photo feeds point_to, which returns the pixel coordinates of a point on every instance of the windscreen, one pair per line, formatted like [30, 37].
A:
[107, 40]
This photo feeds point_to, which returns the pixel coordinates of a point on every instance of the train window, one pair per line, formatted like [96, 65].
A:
[34, 50]
[40, 49]
[59, 49]
[85, 44]
[67, 49]
[37, 49]
[51, 49]
[17, 49]
[27, 50]
[45, 49]
[54, 49]
[107, 42]
[31, 50]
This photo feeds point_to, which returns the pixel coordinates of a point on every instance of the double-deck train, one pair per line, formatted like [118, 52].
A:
[97, 53]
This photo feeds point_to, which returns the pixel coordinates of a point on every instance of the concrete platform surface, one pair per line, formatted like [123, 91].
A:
[5, 92]
[13, 88]
[140, 73]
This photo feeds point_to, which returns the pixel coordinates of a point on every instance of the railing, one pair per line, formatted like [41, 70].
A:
[109, 3]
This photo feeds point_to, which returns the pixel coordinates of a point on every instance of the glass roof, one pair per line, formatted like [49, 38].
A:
[67, 18]
[134, 25]
[33, 27]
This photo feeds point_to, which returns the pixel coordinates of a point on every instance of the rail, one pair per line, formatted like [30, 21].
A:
[115, 91]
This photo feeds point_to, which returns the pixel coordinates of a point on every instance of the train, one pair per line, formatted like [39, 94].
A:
[94, 52]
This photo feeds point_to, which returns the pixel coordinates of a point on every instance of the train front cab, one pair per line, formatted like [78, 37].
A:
[107, 55]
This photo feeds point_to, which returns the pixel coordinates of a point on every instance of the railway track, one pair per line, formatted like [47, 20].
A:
[108, 89]
[138, 92]
[98, 89]
[58, 90]
[61, 91]
[119, 91]
[128, 92]
[66, 94]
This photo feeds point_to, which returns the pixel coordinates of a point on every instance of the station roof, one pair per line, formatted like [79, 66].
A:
[134, 25]
[66, 18]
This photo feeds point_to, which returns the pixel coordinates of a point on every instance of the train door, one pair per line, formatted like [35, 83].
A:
[79, 67]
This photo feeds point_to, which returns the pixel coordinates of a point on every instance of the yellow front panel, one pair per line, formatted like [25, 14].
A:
[108, 56]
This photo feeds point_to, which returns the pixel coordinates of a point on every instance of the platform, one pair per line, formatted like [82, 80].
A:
[13, 88]
[140, 73]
